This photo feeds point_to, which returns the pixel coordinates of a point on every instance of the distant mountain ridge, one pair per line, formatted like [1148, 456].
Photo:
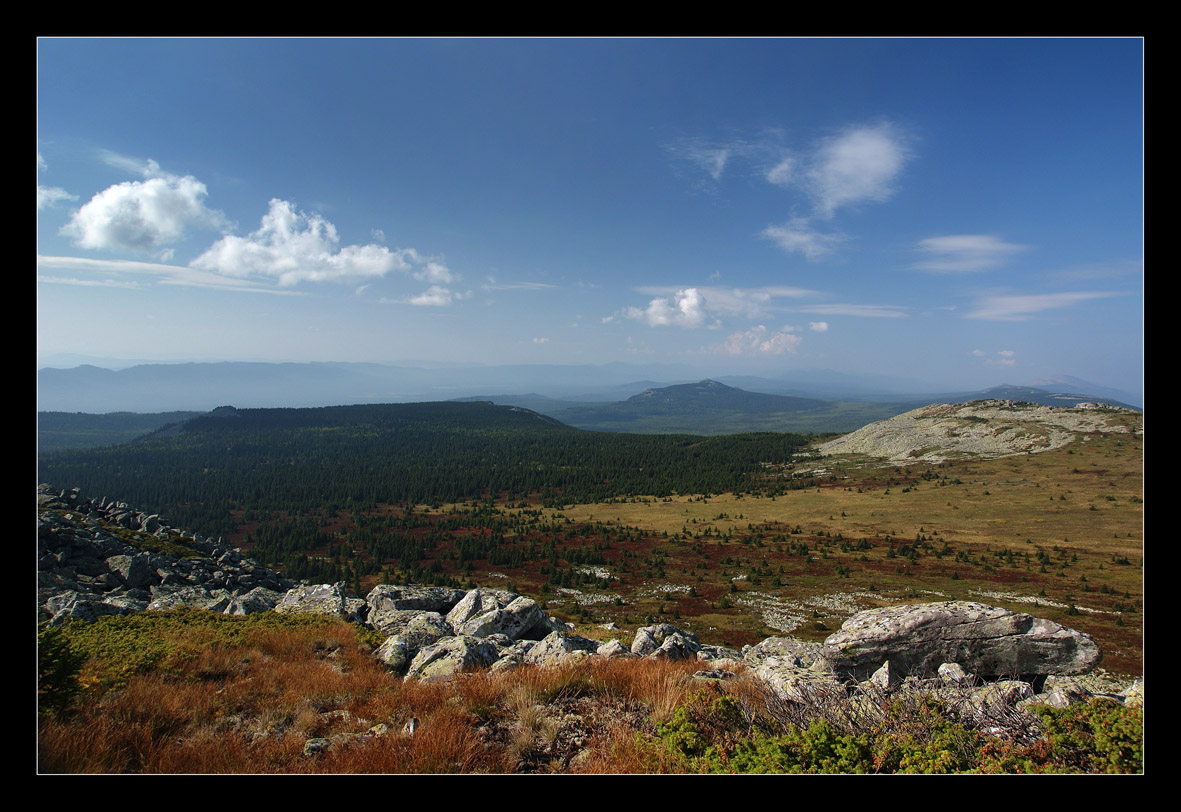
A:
[556, 390]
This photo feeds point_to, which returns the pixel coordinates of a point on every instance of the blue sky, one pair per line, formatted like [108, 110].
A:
[958, 212]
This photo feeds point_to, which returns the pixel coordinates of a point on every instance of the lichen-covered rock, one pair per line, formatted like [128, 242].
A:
[613, 648]
[451, 655]
[665, 640]
[801, 652]
[793, 683]
[512, 620]
[559, 647]
[384, 597]
[985, 640]
[322, 599]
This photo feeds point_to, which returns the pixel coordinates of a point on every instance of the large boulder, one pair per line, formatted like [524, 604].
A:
[665, 641]
[323, 599]
[452, 655]
[986, 640]
[414, 596]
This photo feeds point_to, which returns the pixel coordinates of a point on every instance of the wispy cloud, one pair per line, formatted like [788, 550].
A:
[857, 310]
[434, 296]
[1001, 359]
[1020, 307]
[858, 165]
[965, 252]
[48, 195]
[162, 273]
[797, 236]
[90, 283]
[492, 284]
[143, 215]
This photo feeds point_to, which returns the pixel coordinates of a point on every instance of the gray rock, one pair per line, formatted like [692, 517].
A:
[801, 652]
[452, 655]
[384, 597]
[512, 620]
[651, 639]
[559, 647]
[985, 640]
[321, 599]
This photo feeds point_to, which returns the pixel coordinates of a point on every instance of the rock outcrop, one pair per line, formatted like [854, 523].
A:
[979, 429]
[101, 557]
[98, 558]
[985, 640]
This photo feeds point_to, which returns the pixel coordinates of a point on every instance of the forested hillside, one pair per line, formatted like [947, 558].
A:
[321, 460]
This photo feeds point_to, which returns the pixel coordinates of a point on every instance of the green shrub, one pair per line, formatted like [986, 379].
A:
[58, 668]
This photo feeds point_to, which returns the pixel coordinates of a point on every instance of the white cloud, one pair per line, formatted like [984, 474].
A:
[759, 341]
[435, 272]
[686, 308]
[783, 173]
[143, 215]
[861, 311]
[89, 283]
[979, 353]
[540, 340]
[435, 296]
[164, 274]
[818, 326]
[702, 306]
[798, 236]
[48, 195]
[965, 252]
[1006, 353]
[860, 164]
[293, 247]
[1021, 307]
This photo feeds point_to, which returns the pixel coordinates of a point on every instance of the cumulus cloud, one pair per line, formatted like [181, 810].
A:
[703, 306]
[293, 246]
[685, 308]
[818, 326]
[760, 341]
[964, 252]
[1020, 307]
[798, 236]
[860, 164]
[143, 215]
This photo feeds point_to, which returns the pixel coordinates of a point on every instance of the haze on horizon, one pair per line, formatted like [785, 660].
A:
[963, 212]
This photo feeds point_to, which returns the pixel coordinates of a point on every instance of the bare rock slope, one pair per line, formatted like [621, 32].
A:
[981, 428]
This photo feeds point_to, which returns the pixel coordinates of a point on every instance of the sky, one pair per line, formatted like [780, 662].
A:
[958, 212]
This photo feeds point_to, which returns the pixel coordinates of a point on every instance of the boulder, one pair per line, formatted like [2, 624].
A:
[322, 599]
[513, 620]
[558, 647]
[417, 597]
[666, 641]
[801, 653]
[985, 640]
[452, 655]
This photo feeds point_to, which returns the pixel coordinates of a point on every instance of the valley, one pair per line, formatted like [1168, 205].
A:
[735, 538]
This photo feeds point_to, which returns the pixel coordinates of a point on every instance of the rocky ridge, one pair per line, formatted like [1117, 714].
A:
[100, 557]
[981, 428]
